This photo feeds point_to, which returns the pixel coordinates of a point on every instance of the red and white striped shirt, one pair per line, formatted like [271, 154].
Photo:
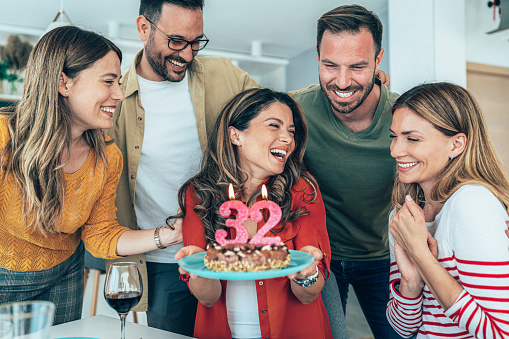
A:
[474, 249]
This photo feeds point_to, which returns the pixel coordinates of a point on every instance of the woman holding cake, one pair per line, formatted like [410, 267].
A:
[259, 138]
[452, 186]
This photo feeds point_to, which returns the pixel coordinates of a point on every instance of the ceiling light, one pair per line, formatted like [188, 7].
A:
[61, 19]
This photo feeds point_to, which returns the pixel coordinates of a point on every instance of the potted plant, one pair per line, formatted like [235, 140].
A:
[13, 60]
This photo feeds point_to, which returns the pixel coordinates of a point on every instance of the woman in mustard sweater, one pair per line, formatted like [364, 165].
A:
[59, 173]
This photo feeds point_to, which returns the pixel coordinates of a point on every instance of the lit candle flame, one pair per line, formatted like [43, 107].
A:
[264, 192]
[231, 193]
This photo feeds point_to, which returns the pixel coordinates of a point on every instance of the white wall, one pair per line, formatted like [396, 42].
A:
[267, 75]
[450, 41]
[427, 42]
[302, 70]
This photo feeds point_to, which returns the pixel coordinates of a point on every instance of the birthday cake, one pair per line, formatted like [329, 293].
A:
[246, 257]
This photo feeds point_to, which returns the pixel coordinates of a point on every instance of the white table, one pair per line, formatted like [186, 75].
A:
[104, 327]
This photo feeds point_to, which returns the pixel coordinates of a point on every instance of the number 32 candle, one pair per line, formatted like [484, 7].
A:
[256, 215]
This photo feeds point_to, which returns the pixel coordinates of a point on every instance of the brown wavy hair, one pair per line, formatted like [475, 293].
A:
[40, 124]
[350, 19]
[221, 166]
[451, 109]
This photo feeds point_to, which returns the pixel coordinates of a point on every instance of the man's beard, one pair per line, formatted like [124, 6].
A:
[159, 66]
[347, 107]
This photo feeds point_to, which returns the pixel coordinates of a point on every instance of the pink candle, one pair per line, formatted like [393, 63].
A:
[274, 218]
[242, 214]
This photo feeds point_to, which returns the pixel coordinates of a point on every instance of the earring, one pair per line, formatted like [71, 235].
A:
[452, 156]
[66, 94]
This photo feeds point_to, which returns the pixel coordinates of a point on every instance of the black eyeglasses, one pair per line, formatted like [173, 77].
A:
[179, 44]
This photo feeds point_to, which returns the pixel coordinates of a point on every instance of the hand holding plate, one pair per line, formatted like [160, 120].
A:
[185, 252]
[311, 269]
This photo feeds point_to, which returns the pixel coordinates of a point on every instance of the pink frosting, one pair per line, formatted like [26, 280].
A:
[242, 214]
[274, 218]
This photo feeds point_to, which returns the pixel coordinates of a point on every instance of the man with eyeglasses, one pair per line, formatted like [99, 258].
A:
[171, 98]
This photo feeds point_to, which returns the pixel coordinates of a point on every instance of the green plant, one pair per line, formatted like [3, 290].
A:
[13, 59]
[5, 74]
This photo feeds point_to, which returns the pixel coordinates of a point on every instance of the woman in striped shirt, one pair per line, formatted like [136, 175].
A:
[449, 252]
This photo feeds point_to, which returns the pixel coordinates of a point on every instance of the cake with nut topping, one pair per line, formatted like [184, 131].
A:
[246, 257]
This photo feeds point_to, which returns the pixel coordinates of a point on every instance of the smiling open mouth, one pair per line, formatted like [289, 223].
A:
[107, 109]
[176, 63]
[407, 164]
[278, 153]
[344, 95]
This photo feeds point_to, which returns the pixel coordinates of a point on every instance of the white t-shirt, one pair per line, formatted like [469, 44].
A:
[170, 155]
[242, 309]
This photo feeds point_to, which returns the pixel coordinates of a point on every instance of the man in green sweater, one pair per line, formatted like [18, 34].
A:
[349, 119]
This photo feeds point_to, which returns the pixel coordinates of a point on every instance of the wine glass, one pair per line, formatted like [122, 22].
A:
[123, 289]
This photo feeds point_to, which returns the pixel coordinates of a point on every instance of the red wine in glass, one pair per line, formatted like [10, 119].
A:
[122, 302]
[123, 289]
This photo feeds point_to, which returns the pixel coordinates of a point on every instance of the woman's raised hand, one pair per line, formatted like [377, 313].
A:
[408, 227]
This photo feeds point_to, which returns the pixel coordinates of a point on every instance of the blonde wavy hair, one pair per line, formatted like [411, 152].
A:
[451, 109]
[40, 125]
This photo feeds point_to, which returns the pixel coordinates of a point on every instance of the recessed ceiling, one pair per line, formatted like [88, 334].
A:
[284, 27]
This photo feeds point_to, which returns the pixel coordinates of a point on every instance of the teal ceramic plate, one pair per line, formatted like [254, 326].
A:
[194, 264]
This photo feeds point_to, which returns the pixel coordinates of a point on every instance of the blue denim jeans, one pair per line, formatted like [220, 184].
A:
[370, 281]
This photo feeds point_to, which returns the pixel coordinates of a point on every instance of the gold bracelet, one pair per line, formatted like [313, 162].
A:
[157, 239]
